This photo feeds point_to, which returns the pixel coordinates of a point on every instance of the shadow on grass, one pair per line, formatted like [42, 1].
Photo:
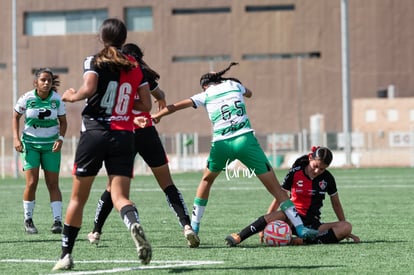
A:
[227, 270]
[259, 245]
[340, 243]
[379, 241]
[31, 241]
[253, 268]
[206, 246]
[48, 241]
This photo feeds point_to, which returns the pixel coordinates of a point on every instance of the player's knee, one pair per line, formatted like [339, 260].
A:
[346, 228]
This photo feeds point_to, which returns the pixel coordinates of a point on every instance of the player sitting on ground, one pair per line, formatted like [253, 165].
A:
[307, 181]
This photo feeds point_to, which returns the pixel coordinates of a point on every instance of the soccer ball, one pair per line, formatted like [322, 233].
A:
[277, 233]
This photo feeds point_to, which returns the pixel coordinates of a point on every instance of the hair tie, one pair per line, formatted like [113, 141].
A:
[314, 148]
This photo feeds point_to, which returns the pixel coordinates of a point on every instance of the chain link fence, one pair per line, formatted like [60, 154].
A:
[189, 151]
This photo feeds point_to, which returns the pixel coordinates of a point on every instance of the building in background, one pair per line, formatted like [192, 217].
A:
[289, 54]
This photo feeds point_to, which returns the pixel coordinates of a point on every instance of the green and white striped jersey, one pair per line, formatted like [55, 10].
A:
[226, 109]
[41, 116]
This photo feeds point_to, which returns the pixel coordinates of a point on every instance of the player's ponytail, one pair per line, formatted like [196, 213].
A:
[301, 161]
[219, 74]
[135, 51]
[216, 77]
[113, 34]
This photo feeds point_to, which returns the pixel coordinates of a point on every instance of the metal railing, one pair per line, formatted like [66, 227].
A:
[189, 151]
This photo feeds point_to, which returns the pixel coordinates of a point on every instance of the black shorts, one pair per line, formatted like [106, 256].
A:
[114, 148]
[149, 146]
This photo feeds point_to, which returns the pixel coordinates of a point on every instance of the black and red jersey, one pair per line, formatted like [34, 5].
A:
[307, 194]
[110, 108]
[153, 84]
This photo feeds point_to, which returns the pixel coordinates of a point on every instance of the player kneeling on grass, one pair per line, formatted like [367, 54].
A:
[307, 181]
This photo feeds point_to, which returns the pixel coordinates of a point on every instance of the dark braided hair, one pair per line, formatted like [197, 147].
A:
[323, 154]
[55, 78]
[208, 78]
[302, 161]
[317, 152]
[135, 51]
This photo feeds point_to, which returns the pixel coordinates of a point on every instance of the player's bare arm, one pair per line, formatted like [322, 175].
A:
[143, 104]
[17, 143]
[159, 96]
[172, 108]
[88, 88]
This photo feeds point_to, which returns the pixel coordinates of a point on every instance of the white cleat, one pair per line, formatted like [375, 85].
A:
[94, 237]
[144, 249]
[193, 240]
[64, 264]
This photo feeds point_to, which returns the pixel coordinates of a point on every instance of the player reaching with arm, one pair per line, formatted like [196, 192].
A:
[308, 181]
[233, 138]
[148, 144]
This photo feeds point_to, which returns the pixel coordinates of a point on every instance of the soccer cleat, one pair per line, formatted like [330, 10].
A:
[56, 227]
[193, 240]
[306, 233]
[233, 240]
[143, 246]
[65, 263]
[29, 227]
[94, 237]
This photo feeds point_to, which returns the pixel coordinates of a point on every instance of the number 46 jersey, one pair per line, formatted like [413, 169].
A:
[226, 109]
[110, 108]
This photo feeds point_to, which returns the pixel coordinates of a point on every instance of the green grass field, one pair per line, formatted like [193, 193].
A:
[378, 202]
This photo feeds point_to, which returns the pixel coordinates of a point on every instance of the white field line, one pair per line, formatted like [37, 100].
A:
[153, 265]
